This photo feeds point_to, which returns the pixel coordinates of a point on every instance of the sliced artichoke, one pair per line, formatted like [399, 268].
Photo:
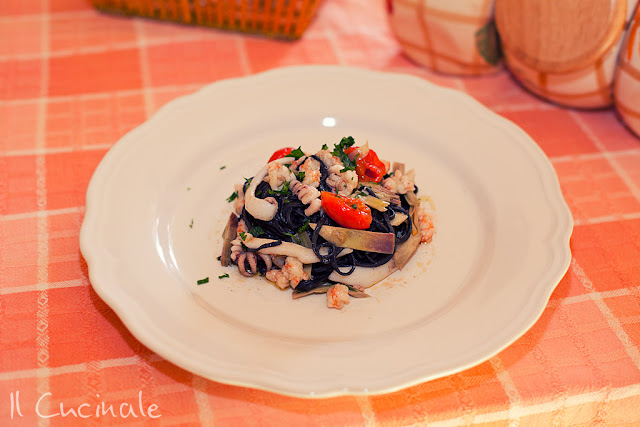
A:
[375, 203]
[406, 249]
[362, 240]
[382, 193]
[229, 234]
[305, 255]
[398, 219]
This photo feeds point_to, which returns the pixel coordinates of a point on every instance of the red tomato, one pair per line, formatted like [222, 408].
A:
[346, 211]
[280, 153]
[369, 167]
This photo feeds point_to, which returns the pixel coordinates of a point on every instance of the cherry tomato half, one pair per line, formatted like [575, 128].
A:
[280, 153]
[369, 168]
[346, 211]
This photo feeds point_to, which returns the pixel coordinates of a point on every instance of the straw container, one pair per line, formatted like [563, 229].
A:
[286, 19]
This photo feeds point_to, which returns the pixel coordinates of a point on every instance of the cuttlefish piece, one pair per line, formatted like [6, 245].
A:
[305, 255]
[263, 209]
[365, 276]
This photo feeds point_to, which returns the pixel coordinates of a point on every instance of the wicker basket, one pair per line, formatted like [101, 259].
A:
[286, 19]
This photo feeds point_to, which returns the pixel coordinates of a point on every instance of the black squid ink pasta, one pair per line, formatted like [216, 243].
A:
[335, 221]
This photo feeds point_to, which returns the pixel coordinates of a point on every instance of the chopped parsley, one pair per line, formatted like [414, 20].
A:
[222, 167]
[300, 176]
[324, 147]
[225, 275]
[188, 188]
[256, 231]
[354, 206]
[351, 288]
[350, 168]
[293, 237]
[338, 151]
[218, 258]
[191, 225]
[283, 191]
[296, 154]
[232, 197]
[304, 226]
[243, 235]
[203, 281]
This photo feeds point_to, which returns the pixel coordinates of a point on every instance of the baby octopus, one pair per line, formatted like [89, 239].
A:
[247, 261]
[307, 195]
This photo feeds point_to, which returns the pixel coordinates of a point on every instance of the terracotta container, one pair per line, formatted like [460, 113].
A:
[449, 36]
[627, 80]
[565, 51]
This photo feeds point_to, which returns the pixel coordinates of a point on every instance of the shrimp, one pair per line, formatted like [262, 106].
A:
[289, 275]
[427, 228]
[400, 183]
[337, 296]
[328, 159]
[278, 174]
[312, 174]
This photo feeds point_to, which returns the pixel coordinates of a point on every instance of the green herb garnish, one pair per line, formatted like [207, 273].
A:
[293, 237]
[338, 151]
[350, 167]
[300, 176]
[354, 206]
[218, 258]
[223, 276]
[304, 227]
[351, 288]
[232, 197]
[243, 235]
[191, 225]
[203, 281]
[283, 191]
[256, 231]
[324, 147]
[222, 167]
[296, 154]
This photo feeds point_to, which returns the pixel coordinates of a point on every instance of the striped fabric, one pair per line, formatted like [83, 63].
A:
[73, 81]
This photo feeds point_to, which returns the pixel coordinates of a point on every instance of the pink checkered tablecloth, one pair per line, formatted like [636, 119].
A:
[73, 81]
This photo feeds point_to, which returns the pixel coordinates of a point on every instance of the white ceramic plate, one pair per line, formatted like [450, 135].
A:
[156, 208]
